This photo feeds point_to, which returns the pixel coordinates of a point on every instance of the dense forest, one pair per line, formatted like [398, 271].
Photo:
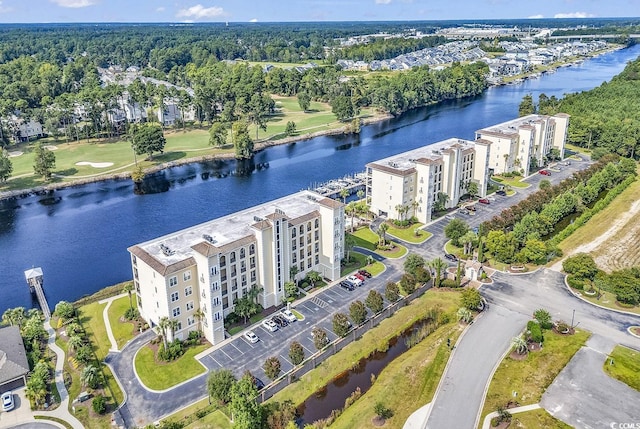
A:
[605, 119]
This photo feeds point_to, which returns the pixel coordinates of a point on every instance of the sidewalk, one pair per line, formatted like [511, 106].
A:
[486, 424]
[105, 318]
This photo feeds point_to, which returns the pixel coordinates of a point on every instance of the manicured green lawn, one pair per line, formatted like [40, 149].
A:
[367, 239]
[298, 315]
[626, 366]
[454, 250]
[511, 181]
[411, 234]
[214, 420]
[158, 375]
[536, 419]
[531, 376]
[608, 300]
[375, 339]
[122, 331]
[405, 384]
[91, 318]
[361, 262]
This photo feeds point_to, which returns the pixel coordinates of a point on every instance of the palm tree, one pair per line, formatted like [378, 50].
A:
[519, 345]
[465, 315]
[75, 342]
[438, 265]
[360, 194]
[382, 232]
[89, 376]
[351, 210]
[14, 316]
[506, 159]
[173, 325]
[313, 277]
[415, 206]
[37, 393]
[128, 287]
[344, 193]
[399, 208]
[199, 315]
[349, 242]
[293, 270]
[163, 324]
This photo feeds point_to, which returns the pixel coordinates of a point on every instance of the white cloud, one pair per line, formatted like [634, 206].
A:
[253, 20]
[574, 15]
[74, 3]
[539, 16]
[160, 9]
[200, 12]
[383, 1]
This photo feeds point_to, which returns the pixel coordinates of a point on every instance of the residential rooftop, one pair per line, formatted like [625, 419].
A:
[406, 161]
[235, 228]
[512, 126]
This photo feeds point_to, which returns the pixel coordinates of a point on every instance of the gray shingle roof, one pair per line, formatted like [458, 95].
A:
[13, 357]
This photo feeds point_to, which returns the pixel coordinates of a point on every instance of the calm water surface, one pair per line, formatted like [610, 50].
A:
[79, 236]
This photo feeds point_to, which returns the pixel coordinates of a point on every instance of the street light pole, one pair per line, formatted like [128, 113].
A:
[572, 317]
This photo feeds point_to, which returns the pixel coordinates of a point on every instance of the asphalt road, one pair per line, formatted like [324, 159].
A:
[584, 396]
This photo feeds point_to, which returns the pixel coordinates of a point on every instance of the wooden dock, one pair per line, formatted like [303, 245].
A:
[34, 277]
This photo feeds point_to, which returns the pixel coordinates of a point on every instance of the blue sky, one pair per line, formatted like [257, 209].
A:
[19, 11]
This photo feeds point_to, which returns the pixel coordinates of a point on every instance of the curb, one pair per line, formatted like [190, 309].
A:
[581, 298]
[486, 424]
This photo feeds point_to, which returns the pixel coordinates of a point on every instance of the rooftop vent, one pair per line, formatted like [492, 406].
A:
[257, 219]
[278, 211]
[166, 250]
[312, 198]
[208, 238]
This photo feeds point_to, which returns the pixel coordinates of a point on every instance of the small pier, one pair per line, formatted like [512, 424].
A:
[352, 183]
[35, 281]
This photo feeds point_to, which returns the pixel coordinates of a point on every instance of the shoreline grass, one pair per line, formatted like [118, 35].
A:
[375, 339]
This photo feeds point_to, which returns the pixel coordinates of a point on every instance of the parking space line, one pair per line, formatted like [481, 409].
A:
[287, 360]
[215, 361]
[234, 346]
[306, 348]
[225, 353]
[266, 330]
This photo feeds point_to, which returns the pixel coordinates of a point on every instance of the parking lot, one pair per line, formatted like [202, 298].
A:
[240, 355]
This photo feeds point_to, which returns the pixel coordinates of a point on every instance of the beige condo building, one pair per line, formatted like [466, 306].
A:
[209, 266]
[514, 144]
[408, 184]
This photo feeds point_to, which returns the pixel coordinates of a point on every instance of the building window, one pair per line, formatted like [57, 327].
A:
[301, 229]
[242, 253]
[215, 286]
[214, 270]
[293, 233]
[189, 305]
[317, 223]
[216, 301]
[179, 326]
[187, 276]
[308, 226]
[217, 316]
[309, 263]
[188, 291]
[173, 281]
[190, 321]
[317, 260]
[225, 303]
[135, 260]
[175, 296]
[252, 249]
[232, 257]
[135, 272]
[176, 312]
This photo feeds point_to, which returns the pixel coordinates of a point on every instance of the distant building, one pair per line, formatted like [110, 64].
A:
[513, 144]
[412, 180]
[211, 265]
[25, 131]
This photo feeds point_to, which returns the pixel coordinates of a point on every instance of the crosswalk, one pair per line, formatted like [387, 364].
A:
[320, 303]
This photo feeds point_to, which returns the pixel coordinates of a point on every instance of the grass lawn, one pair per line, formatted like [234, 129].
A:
[405, 384]
[626, 366]
[376, 339]
[511, 181]
[92, 321]
[578, 149]
[409, 234]
[361, 262]
[454, 250]
[537, 419]
[608, 300]
[122, 331]
[214, 420]
[368, 239]
[530, 377]
[158, 375]
[298, 315]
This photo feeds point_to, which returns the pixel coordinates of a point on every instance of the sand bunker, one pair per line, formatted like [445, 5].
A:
[95, 164]
[14, 154]
[50, 147]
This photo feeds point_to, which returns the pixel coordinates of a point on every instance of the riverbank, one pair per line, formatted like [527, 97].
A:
[126, 175]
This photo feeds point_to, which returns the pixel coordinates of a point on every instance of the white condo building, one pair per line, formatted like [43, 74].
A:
[209, 266]
[414, 179]
[515, 143]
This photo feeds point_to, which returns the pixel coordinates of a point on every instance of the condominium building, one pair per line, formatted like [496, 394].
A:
[518, 143]
[409, 184]
[208, 266]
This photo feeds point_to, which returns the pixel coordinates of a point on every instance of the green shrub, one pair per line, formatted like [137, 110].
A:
[575, 282]
[535, 331]
[382, 411]
[131, 313]
[99, 404]
[449, 283]
[174, 350]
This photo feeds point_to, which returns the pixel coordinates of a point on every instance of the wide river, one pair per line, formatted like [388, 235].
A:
[79, 235]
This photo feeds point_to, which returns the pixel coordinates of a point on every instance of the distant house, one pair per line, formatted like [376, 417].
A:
[14, 365]
[25, 131]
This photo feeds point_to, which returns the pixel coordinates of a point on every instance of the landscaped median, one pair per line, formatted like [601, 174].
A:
[523, 381]
[368, 239]
[158, 375]
[624, 364]
[410, 234]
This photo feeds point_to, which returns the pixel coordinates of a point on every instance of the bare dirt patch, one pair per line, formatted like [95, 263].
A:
[15, 154]
[51, 147]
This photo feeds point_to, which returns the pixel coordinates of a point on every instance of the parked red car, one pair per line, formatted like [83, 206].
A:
[545, 172]
[483, 201]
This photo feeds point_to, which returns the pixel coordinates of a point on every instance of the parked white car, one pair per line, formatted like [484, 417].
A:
[7, 401]
[288, 315]
[356, 281]
[269, 325]
[251, 337]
